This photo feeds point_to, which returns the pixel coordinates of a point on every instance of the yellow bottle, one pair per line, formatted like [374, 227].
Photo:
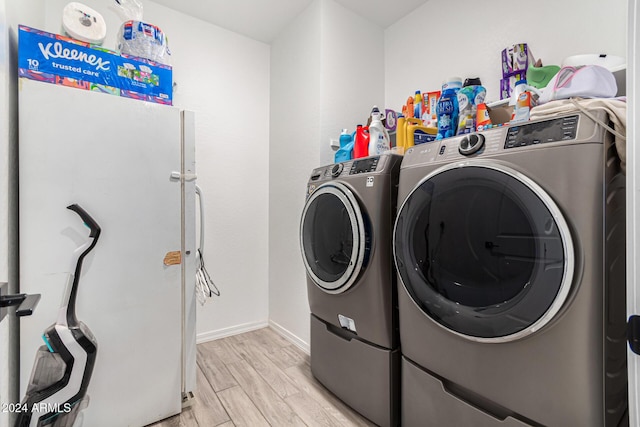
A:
[401, 134]
[421, 134]
[409, 132]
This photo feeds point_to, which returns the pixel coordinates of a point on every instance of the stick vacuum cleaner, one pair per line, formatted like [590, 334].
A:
[57, 390]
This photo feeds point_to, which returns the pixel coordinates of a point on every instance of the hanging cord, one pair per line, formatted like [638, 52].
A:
[595, 119]
[205, 287]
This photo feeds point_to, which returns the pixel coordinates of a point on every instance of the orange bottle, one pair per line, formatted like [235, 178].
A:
[410, 108]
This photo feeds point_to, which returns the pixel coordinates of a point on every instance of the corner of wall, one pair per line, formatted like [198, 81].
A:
[293, 152]
[318, 86]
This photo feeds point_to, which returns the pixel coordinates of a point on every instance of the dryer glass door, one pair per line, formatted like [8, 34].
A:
[483, 251]
[333, 237]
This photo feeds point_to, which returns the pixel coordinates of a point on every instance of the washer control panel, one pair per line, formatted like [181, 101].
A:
[571, 128]
[363, 165]
[561, 129]
[366, 165]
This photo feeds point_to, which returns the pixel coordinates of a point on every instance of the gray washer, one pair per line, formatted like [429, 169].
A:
[345, 237]
[511, 266]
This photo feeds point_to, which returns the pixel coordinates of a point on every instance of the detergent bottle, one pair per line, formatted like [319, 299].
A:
[409, 109]
[419, 134]
[345, 152]
[417, 105]
[408, 132]
[378, 135]
[520, 87]
[361, 145]
[523, 99]
[447, 108]
[401, 134]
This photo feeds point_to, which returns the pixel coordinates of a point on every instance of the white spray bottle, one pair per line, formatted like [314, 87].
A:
[379, 141]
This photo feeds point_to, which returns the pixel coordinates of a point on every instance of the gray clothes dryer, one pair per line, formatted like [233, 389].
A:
[510, 251]
[345, 237]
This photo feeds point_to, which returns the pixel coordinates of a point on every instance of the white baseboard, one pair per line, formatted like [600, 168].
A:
[289, 336]
[227, 332]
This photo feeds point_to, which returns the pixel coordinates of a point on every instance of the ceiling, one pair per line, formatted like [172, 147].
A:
[263, 20]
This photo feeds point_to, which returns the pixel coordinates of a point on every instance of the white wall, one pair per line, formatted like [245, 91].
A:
[224, 78]
[293, 151]
[352, 73]
[470, 45]
[318, 87]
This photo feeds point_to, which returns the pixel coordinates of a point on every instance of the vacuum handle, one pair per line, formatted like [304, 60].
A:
[88, 220]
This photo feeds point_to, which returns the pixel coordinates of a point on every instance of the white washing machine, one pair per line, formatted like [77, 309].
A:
[510, 251]
[345, 237]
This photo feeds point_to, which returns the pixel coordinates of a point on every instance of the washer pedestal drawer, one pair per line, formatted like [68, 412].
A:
[363, 375]
[426, 402]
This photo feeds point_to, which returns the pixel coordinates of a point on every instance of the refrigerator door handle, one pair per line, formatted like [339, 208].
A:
[205, 287]
[199, 194]
[187, 177]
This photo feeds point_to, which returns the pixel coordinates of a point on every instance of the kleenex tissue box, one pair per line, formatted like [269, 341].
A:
[61, 60]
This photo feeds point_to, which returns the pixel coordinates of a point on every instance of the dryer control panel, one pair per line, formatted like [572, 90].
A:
[373, 164]
[572, 128]
[562, 129]
[355, 171]
[366, 165]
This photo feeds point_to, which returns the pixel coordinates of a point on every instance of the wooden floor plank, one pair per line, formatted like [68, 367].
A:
[236, 338]
[272, 374]
[274, 409]
[241, 409]
[302, 376]
[223, 348]
[214, 369]
[311, 412]
[288, 356]
[208, 409]
[269, 339]
[260, 379]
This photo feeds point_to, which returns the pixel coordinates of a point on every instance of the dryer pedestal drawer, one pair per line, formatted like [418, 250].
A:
[427, 403]
[364, 376]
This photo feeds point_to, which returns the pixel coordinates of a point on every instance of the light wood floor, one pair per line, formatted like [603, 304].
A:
[260, 379]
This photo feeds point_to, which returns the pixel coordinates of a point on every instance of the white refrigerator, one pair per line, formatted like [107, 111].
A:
[131, 165]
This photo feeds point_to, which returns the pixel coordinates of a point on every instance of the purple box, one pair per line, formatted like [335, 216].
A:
[515, 59]
[509, 83]
[515, 62]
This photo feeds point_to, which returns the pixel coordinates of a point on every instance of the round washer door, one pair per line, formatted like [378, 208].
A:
[333, 237]
[483, 251]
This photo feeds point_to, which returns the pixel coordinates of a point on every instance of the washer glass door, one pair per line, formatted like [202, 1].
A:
[333, 237]
[483, 251]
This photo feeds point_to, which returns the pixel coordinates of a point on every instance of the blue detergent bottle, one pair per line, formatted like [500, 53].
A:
[345, 152]
[447, 108]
